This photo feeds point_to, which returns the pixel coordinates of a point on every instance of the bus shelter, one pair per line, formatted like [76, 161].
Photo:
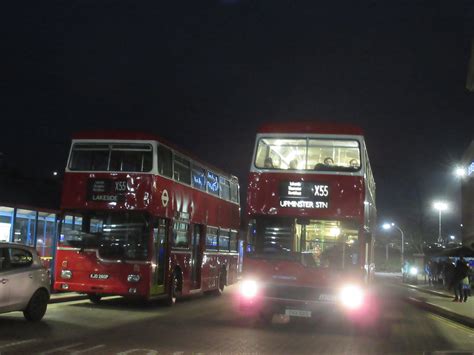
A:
[30, 226]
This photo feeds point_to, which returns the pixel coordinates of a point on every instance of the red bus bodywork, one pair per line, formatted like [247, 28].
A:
[164, 204]
[288, 280]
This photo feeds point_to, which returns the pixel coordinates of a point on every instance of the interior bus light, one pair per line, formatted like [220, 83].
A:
[335, 231]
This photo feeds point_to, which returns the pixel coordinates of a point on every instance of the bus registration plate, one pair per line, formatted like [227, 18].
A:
[99, 276]
[298, 313]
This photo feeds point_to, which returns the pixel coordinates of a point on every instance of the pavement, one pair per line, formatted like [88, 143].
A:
[437, 300]
[213, 325]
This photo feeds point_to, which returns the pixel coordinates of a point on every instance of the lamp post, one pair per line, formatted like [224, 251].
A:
[388, 226]
[440, 206]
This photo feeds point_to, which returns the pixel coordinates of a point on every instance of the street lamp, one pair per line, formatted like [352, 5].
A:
[460, 171]
[388, 226]
[440, 206]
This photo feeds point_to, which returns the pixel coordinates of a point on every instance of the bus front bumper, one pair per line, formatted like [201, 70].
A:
[132, 290]
[350, 301]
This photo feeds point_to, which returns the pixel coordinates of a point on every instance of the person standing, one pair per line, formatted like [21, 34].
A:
[460, 272]
[448, 273]
[466, 287]
[429, 272]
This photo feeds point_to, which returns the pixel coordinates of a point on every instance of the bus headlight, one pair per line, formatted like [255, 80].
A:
[351, 296]
[249, 288]
[133, 278]
[413, 271]
[66, 274]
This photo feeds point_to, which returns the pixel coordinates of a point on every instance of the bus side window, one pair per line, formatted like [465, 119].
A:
[224, 240]
[165, 161]
[211, 238]
[182, 169]
[233, 241]
[180, 235]
[234, 192]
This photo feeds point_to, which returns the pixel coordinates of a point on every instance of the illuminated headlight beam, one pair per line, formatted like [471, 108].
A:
[351, 296]
[249, 288]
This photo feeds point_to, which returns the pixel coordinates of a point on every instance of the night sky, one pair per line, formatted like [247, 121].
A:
[206, 74]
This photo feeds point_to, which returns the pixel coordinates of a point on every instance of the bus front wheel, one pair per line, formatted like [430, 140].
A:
[94, 298]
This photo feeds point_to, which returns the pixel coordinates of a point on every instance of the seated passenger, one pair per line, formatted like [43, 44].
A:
[294, 164]
[328, 161]
[354, 164]
[268, 163]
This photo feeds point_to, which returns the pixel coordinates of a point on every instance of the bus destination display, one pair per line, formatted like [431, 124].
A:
[304, 194]
[106, 190]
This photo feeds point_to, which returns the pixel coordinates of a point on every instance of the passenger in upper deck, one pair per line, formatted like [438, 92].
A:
[328, 161]
[354, 164]
[268, 164]
[294, 164]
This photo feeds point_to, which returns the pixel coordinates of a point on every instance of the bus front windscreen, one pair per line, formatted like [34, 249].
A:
[308, 154]
[116, 235]
[315, 243]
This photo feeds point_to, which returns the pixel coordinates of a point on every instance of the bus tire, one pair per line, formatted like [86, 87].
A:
[94, 298]
[37, 306]
[173, 289]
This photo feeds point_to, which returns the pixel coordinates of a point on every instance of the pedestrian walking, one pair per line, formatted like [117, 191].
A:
[429, 272]
[448, 273]
[436, 271]
[405, 270]
[460, 273]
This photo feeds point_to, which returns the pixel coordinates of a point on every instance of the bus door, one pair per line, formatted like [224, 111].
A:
[160, 231]
[196, 262]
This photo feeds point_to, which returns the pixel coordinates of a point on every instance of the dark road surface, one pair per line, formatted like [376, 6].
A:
[212, 325]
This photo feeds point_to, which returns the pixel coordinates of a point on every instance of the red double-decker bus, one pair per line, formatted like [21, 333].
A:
[141, 218]
[311, 211]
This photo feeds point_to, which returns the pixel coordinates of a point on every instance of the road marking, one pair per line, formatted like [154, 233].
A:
[451, 323]
[18, 343]
[80, 301]
[86, 350]
[50, 351]
[146, 351]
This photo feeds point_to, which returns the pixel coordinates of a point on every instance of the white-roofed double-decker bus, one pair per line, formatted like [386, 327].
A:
[311, 215]
[142, 218]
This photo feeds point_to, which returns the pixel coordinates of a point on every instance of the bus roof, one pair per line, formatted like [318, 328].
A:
[311, 127]
[136, 135]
